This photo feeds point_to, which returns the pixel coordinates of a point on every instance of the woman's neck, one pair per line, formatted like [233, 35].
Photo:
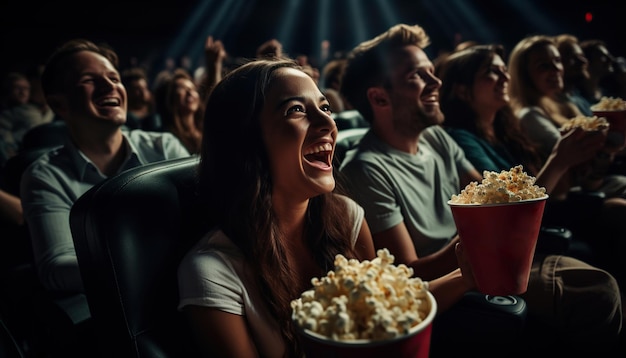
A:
[484, 124]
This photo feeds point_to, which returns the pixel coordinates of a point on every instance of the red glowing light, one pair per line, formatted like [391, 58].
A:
[588, 16]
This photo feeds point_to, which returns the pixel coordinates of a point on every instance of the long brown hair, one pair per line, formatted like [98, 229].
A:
[461, 68]
[235, 181]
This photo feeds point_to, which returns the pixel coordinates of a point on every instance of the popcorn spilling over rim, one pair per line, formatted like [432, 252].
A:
[507, 186]
[371, 300]
[609, 104]
[592, 123]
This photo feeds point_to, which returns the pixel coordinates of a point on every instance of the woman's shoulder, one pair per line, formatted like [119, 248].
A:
[351, 205]
[457, 133]
[530, 112]
[345, 198]
[213, 254]
[217, 241]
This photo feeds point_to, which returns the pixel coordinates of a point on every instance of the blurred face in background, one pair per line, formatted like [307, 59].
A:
[546, 70]
[491, 85]
[601, 62]
[574, 62]
[138, 93]
[19, 91]
[187, 95]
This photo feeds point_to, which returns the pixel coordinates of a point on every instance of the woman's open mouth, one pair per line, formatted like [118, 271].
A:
[319, 155]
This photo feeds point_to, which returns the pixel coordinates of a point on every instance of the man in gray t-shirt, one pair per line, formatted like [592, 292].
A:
[411, 189]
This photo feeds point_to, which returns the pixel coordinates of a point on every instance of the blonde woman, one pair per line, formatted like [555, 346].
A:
[536, 90]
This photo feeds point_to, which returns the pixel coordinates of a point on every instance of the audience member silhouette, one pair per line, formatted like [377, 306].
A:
[82, 86]
[330, 82]
[575, 72]
[600, 66]
[17, 114]
[615, 84]
[181, 110]
[270, 49]
[141, 107]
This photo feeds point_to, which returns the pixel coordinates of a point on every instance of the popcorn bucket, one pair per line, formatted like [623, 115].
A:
[416, 344]
[499, 241]
[616, 137]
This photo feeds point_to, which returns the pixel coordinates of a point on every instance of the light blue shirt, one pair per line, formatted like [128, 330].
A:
[52, 184]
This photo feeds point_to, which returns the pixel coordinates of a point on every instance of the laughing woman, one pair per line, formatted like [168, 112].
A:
[266, 171]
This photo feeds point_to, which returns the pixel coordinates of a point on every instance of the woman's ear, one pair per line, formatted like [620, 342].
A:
[377, 97]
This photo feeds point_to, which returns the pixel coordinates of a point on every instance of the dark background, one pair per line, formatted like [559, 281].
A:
[147, 32]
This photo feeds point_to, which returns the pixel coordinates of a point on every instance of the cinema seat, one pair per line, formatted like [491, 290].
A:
[130, 233]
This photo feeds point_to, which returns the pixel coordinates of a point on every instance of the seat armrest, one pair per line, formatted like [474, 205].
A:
[583, 196]
[478, 323]
[75, 307]
[553, 239]
[578, 212]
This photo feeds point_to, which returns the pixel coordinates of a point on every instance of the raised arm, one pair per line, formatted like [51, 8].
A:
[214, 55]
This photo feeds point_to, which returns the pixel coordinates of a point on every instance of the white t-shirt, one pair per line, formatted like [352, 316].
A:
[214, 274]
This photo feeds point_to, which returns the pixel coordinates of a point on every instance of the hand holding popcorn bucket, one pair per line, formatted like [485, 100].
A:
[366, 309]
[499, 228]
[614, 110]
